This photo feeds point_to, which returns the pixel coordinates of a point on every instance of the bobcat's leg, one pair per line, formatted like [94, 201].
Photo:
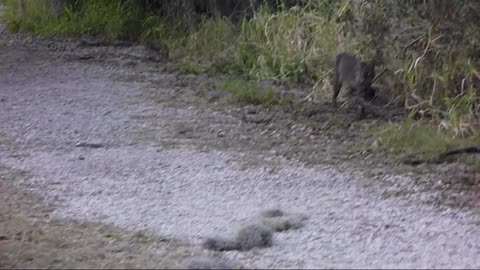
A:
[336, 90]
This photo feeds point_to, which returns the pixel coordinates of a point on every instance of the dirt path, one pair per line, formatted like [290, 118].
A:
[105, 136]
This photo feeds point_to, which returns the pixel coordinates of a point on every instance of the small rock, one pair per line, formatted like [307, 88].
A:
[255, 119]
[184, 130]
[272, 213]
[90, 145]
[250, 110]
[310, 111]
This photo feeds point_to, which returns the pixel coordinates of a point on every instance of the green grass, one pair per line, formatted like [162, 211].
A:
[109, 18]
[284, 46]
[189, 67]
[417, 138]
[248, 92]
[287, 46]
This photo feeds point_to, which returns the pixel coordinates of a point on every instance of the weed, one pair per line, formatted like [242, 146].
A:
[247, 92]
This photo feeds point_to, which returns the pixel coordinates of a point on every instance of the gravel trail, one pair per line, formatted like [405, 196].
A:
[50, 104]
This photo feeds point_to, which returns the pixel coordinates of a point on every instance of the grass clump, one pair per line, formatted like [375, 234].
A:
[287, 46]
[189, 67]
[417, 138]
[248, 92]
[211, 44]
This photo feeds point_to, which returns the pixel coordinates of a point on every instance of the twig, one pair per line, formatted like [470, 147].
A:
[433, 91]
[379, 75]
[415, 106]
[476, 74]
[410, 45]
[415, 63]
[437, 38]
[391, 101]
[315, 86]
[308, 96]
[428, 44]
[441, 158]
[406, 30]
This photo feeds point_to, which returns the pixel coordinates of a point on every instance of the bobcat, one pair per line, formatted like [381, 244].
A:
[355, 74]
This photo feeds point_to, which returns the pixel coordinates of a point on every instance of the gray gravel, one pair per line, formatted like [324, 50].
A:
[50, 104]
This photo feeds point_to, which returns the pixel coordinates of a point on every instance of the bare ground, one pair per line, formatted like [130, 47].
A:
[100, 142]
